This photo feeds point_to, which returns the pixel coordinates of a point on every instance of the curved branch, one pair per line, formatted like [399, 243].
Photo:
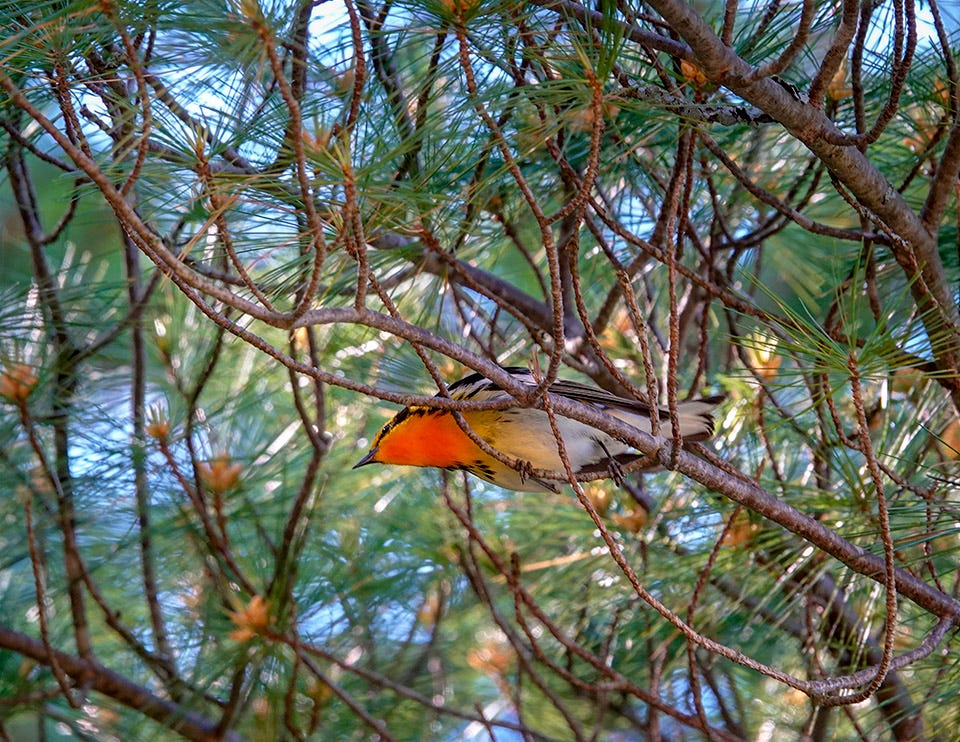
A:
[916, 249]
[171, 715]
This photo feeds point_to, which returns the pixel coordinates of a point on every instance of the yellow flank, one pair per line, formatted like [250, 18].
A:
[426, 437]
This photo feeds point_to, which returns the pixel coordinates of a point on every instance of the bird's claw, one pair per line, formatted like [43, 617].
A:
[525, 470]
[616, 472]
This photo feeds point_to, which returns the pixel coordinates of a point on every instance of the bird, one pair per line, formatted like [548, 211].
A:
[430, 437]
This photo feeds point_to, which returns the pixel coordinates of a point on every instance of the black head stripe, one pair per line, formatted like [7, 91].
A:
[404, 414]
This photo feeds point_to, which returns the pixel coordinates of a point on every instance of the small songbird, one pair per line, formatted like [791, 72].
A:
[426, 436]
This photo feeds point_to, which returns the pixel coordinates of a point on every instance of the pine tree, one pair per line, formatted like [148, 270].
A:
[237, 237]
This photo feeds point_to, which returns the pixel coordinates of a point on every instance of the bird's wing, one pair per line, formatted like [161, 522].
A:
[694, 416]
[596, 396]
[477, 385]
[474, 385]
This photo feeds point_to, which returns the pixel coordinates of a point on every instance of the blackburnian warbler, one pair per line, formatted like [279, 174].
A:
[426, 436]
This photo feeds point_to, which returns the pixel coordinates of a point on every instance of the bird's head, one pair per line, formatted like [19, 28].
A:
[421, 436]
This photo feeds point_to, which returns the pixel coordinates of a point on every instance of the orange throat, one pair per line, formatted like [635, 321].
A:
[427, 437]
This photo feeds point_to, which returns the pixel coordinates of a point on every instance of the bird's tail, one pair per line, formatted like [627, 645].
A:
[695, 417]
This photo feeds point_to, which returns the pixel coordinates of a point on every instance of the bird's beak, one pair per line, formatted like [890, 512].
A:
[368, 459]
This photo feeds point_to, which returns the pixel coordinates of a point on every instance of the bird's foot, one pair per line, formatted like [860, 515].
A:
[615, 472]
[525, 470]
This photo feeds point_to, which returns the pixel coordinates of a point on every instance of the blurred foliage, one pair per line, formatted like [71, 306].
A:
[180, 506]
